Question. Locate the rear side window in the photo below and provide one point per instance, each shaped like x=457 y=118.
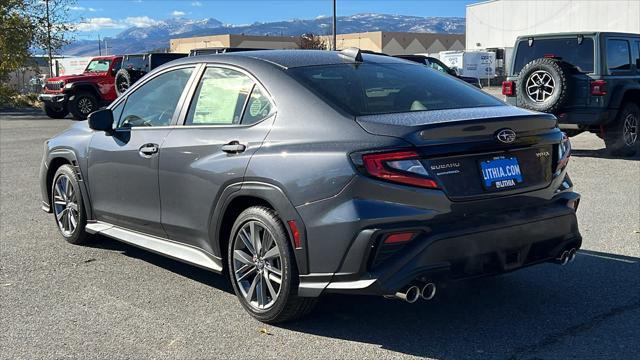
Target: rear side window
x=618 y=55
x=579 y=55
x=369 y=89
x=220 y=98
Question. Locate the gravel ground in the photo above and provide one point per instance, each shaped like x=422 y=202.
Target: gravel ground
x=111 y=300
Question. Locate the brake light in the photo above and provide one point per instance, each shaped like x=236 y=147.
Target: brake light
x=396 y=238
x=598 y=88
x=508 y=88
x=402 y=167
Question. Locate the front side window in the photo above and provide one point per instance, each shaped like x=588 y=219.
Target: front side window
x=154 y=103
x=220 y=98
x=369 y=89
x=618 y=55
x=98 y=66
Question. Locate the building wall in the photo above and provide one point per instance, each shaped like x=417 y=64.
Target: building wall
x=497 y=23
x=399 y=43
x=184 y=45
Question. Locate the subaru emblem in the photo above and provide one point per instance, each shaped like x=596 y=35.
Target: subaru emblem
x=506 y=136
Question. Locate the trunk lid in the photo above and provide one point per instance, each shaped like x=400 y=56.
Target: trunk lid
x=461 y=151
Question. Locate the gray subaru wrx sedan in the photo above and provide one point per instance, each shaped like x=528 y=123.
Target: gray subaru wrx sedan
x=309 y=172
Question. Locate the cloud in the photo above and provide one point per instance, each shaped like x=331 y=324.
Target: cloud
x=99 y=23
x=196 y=3
x=141 y=21
x=81 y=8
x=178 y=13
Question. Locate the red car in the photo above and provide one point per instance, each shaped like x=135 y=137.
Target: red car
x=82 y=94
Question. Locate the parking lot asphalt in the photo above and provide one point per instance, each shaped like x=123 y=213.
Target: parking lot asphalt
x=110 y=300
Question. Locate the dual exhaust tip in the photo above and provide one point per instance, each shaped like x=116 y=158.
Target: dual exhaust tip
x=414 y=292
x=566 y=257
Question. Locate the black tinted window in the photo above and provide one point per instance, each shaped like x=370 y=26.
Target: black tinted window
x=618 y=55
x=154 y=103
x=139 y=63
x=568 y=49
x=368 y=89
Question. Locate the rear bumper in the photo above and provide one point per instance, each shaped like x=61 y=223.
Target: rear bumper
x=443 y=253
x=455 y=240
x=585 y=118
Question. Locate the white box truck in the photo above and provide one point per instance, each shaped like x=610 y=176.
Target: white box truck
x=476 y=64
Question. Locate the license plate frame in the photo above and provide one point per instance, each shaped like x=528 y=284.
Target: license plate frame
x=501 y=173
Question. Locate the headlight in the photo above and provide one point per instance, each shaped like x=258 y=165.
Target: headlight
x=68 y=86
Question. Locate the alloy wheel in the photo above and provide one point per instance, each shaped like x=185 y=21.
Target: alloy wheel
x=257 y=265
x=630 y=129
x=85 y=105
x=540 y=86
x=65 y=205
x=123 y=85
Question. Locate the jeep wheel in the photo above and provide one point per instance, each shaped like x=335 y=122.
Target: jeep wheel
x=123 y=81
x=622 y=136
x=82 y=104
x=542 y=85
x=262 y=268
x=55 y=112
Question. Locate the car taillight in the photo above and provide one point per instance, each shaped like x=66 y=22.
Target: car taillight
x=564 y=152
x=508 y=88
x=402 y=167
x=598 y=88
x=401 y=237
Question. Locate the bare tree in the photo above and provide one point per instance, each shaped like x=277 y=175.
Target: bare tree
x=312 y=41
x=52 y=26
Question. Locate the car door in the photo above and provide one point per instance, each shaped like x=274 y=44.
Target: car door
x=123 y=164
x=228 y=119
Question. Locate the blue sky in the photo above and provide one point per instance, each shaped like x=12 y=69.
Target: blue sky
x=108 y=17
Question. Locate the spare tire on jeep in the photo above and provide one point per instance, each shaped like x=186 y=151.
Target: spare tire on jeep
x=123 y=81
x=543 y=85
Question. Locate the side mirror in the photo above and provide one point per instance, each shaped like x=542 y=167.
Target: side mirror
x=453 y=71
x=101 y=120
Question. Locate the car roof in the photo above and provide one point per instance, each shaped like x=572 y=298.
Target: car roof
x=287 y=59
x=561 y=34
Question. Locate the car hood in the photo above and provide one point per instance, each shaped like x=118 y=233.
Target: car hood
x=75 y=78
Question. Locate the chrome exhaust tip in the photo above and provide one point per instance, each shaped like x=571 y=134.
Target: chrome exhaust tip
x=428 y=291
x=410 y=295
x=572 y=255
x=563 y=259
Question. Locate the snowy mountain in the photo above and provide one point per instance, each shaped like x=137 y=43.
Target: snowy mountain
x=140 y=39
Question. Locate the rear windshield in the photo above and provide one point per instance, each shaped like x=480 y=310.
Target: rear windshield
x=568 y=49
x=370 y=89
x=139 y=63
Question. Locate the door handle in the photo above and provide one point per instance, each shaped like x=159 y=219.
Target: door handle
x=147 y=150
x=233 y=147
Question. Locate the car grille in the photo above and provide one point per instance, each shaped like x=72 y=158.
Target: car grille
x=54 y=85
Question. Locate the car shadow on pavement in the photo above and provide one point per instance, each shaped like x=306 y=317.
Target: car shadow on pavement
x=203 y=276
x=600 y=153
x=547 y=309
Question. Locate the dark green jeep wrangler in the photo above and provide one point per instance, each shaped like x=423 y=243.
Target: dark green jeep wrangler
x=590 y=81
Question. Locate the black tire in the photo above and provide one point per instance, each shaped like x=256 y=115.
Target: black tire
x=78 y=235
x=55 y=112
x=529 y=76
x=622 y=137
x=122 y=81
x=288 y=305
x=82 y=104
